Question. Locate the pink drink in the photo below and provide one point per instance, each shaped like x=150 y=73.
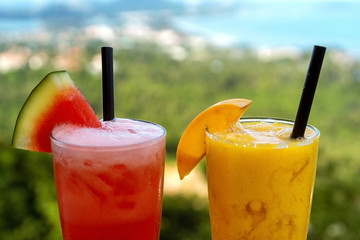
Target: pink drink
x=110 y=181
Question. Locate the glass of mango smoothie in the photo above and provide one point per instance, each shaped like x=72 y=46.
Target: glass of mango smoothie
x=260 y=171
x=260 y=180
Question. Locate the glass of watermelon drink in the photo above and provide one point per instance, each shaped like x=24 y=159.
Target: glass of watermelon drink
x=109 y=180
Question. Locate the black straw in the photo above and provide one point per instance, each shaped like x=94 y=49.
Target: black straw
x=107 y=83
x=308 y=93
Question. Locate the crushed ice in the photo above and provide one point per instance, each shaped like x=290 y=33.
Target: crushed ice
x=260 y=133
x=115 y=132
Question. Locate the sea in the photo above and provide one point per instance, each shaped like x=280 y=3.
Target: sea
x=259 y=23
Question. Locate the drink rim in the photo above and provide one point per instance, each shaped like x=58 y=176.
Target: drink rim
x=304 y=140
x=151 y=141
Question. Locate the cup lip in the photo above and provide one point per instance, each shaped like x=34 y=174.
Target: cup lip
x=305 y=141
x=151 y=141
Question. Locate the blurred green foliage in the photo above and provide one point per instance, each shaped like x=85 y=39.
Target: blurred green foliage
x=150 y=85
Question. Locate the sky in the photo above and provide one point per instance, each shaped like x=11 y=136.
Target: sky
x=257 y=23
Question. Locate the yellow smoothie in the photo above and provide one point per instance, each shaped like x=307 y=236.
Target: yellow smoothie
x=260 y=181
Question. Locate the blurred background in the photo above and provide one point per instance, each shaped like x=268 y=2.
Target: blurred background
x=172 y=59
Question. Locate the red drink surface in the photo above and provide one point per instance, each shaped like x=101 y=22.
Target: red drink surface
x=110 y=188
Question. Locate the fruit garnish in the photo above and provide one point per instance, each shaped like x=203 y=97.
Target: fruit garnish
x=218 y=117
x=54 y=101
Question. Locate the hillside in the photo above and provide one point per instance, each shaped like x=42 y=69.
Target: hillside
x=169 y=83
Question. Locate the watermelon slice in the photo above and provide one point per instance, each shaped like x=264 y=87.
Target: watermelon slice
x=55 y=100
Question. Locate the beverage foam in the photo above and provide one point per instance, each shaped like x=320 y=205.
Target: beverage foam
x=267 y=132
x=118 y=132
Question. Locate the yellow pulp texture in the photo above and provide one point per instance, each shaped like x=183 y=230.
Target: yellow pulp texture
x=260 y=191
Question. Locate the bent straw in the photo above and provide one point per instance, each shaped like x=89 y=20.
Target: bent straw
x=107 y=83
x=308 y=93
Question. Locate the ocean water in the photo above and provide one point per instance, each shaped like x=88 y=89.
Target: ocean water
x=257 y=23
x=14 y=25
x=330 y=23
